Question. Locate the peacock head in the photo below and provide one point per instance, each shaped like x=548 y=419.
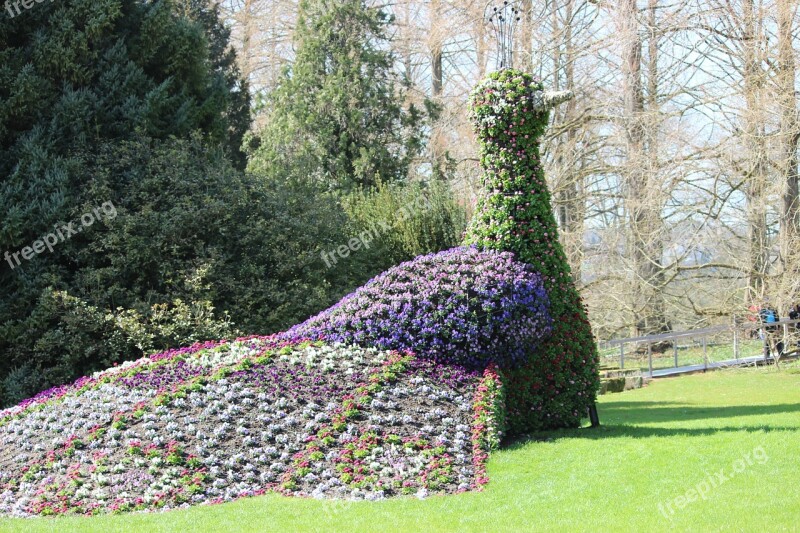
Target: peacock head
x=512 y=104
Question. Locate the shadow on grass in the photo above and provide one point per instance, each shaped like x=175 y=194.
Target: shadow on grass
x=639 y=404
x=621 y=419
x=617 y=431
x=649 y=412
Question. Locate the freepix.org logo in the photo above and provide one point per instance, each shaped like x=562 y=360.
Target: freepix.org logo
x=61 y=234
x=26 y=4
x=713 y=481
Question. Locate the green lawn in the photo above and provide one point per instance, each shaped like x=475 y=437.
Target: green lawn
x=656 y=444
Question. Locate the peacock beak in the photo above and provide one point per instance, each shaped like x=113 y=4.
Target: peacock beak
x=554 y=98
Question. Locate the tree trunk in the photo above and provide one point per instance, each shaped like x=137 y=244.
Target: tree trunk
x=526 y=37
x=571 y=201
x=757 y=171
x=437 y=145
x=655 y=247
x=642 y=196
x=480 y=42
x=789 y=136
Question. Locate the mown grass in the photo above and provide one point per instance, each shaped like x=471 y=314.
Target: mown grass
x=655 y=444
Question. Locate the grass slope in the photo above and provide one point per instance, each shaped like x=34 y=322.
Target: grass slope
x=656 y=444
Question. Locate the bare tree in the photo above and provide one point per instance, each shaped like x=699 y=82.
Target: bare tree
x=643 y=200
x=674 y=170
x=789 y=132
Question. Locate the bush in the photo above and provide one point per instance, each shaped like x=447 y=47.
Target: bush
x=273 y=274
x=558 y=381
x=459 y=306
x=185 y=212
x=71 y=338
x=406 y=220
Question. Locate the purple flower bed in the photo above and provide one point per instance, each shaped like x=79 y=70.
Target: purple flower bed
x=461 y=306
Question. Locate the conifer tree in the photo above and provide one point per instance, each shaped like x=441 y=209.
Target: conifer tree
x=225 y=75
x=79 y=74
x=337 y=115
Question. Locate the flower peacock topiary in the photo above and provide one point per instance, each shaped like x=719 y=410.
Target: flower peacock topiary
x=507 y=297
x=556 y=384
x=498 y=333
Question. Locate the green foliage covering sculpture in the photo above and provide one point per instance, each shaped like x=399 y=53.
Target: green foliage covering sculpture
x=556 y=385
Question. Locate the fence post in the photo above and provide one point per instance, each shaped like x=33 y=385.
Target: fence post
x=705 y=355
x=622 y=356
x=735 y=342
x=785 y=338
x=650 y=358
x=675 y=351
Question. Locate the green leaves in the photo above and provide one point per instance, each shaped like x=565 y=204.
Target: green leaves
x=78 y=81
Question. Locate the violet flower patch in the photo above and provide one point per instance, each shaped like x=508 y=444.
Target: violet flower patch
x=461 y=306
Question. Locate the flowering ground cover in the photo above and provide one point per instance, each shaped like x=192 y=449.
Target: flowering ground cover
x=217 y=421
x=462 y=306
x=617 y=477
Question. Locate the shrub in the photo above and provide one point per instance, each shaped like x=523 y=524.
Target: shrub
x=458 y=306
x=558 y=381
x=74 y=338
x=402 y=221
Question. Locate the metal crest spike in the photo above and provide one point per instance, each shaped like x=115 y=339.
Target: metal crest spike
x=504 y=19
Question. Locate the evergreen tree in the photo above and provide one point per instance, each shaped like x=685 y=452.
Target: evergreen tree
x=76 y=75
x=225 y=75
x=336 y=115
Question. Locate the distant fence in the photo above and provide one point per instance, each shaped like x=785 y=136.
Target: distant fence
x=703 y=346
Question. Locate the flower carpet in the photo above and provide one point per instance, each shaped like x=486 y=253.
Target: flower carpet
x=223 y=420
x=462 y=306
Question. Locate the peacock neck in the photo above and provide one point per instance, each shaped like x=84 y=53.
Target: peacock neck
x=514 y=213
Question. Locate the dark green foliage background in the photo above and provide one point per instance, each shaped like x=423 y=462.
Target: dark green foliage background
x=77 y=80
x=142 y=105
x=560 y=380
